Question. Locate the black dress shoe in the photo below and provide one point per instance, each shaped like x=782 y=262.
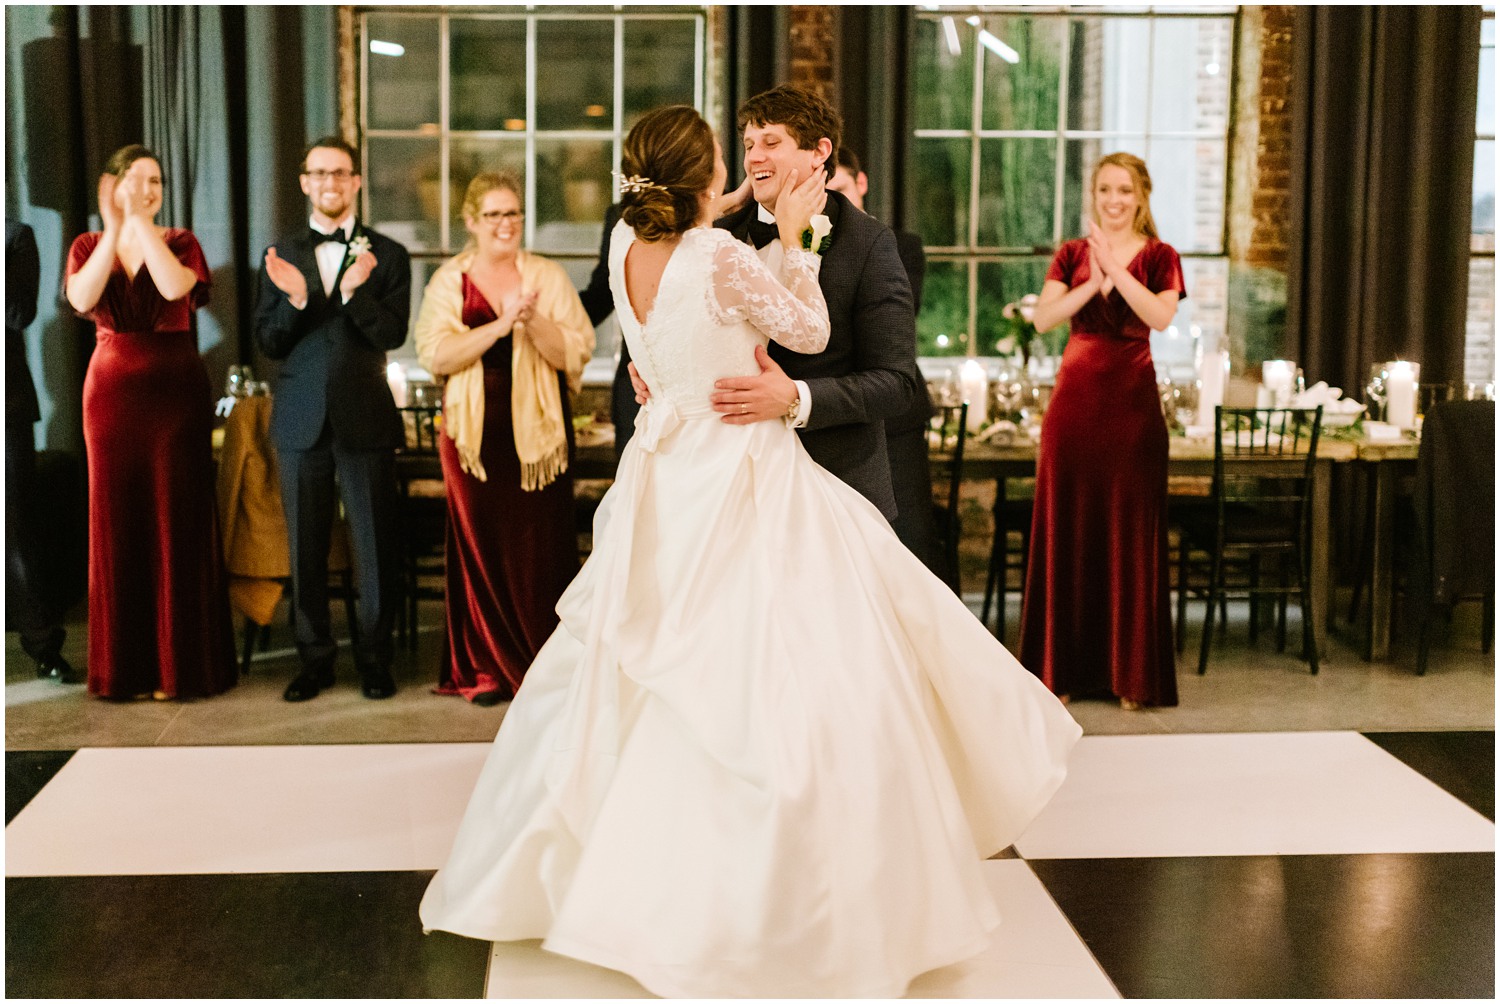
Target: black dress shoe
x=55 y=667
x=487 y=698
x=376 y=683
x=308 y=683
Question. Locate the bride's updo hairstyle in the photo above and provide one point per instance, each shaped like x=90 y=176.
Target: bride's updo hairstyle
x=667 y=162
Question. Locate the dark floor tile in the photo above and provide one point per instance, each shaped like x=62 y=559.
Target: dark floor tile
x=1369 y=925
x=351 y=934
x=26 y=773
x=1461 y=763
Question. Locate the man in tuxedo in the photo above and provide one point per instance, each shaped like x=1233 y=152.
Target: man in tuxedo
x=905 y=434
x=840 y=398
x=599 y=301
x=334 y=298
x=39 y=620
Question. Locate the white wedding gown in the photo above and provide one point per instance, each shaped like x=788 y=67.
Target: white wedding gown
x=766 y=750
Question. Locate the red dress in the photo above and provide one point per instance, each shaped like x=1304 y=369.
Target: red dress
x=158 y=599
x=510 y=553
x=1097 y=618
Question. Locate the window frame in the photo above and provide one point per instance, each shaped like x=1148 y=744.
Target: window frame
x=1481 y=253
x=975 y=255
x=532 y=15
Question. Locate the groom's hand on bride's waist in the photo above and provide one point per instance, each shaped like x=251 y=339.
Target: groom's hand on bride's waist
x=744 y=400
x=642 y=392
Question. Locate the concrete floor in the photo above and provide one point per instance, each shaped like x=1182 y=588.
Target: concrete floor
x=1245 y=690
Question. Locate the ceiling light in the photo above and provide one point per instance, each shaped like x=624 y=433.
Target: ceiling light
x=386 y=48
x=950 y=33
x=998 y=47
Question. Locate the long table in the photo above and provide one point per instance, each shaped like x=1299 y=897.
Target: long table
x=595 y=459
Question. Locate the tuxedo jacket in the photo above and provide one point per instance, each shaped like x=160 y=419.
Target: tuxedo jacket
x=23 y=271
x=333 y=353
x=867 y=373
x=918 y=417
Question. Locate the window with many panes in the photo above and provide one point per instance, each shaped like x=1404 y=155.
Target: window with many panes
x=546 y=92
x=1011 y=107
x=1479 y=362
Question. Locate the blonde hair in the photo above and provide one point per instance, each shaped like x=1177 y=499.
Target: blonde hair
x=1140 y=178
x=485 y=183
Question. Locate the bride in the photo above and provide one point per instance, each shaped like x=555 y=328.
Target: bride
x=766 y=750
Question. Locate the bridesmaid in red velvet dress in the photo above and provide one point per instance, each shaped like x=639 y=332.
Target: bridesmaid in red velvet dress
x=1098 y=616
x=509 y=332
x=158 y=601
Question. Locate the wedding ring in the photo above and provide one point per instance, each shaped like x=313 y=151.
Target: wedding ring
x=744 y=408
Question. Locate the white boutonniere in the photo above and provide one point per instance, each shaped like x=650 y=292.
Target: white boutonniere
x=817 y=237
x=358 y=246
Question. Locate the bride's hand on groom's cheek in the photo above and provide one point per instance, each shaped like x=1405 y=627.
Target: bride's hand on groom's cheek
x=798 y=203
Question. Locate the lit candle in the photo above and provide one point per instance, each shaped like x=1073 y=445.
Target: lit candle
x=1277 y=376
x=1401 y=394
x=976 y=391
x=395 y=375
x=1213 y=375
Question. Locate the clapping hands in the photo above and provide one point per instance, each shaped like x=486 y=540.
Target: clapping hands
x=356 y=274
x=520 y=307
x=1102 y=262
x=286 y=277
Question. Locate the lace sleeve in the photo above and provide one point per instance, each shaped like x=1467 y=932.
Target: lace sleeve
x=794 y=315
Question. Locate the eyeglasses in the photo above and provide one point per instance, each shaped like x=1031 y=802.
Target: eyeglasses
x=509 y=216
x=340 y=175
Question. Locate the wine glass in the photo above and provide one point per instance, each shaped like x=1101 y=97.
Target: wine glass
x=236 y=384
x=1007 y=387
x=1185 y=402
x=950 y=389
x=1375 y=391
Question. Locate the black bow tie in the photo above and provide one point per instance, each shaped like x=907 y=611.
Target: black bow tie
x=763 y=233
x=319 y=237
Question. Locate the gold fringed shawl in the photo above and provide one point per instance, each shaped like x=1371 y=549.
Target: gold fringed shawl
x=535 y=401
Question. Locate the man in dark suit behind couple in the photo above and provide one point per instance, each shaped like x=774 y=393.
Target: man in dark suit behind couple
x=333 y=300
x=839 y=398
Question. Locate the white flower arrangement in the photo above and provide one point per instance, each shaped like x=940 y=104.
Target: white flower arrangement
x=358 y=246
x=817 y=237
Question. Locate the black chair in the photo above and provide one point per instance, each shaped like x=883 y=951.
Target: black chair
x=1262 y=508
x=423 y=509
x=952 y=424
x=1012 y=514
x=1454 y=510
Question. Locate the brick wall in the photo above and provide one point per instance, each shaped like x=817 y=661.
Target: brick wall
x=1272 y=174
x=812 y=40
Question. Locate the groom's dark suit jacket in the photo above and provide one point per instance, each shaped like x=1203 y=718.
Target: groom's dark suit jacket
x=868 y=373
x=334 y=352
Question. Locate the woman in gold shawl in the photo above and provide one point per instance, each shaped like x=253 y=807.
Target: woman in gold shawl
x=507 y=331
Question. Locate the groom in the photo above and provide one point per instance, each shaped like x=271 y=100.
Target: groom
x=837 y=399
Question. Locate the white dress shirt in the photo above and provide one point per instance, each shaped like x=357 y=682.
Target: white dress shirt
x=331 y=255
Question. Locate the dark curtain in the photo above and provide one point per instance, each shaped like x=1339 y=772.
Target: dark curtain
x=227 y=96
x=1384 y=106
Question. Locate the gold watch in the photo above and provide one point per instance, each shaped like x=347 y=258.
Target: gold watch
x=790 y=418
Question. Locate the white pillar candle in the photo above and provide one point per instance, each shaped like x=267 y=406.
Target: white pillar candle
x=1278 y=376
x=1213 y=377
x=395 y=375
x=976 y=387
x=1401 y=394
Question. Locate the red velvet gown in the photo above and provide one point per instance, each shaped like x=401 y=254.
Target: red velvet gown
x=1097 y=618
x=158 y=596
x=511 y=553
